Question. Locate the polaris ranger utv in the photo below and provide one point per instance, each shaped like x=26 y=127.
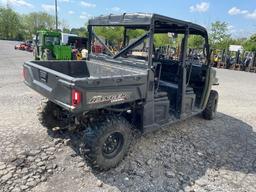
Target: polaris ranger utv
x=112 y=93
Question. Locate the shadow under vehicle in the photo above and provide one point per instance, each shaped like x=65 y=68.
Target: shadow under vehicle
x=192 y=150
x=112 y=93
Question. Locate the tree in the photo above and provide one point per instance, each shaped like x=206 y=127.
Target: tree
x=239 y=41
x=135 y=33
x=20 y=27
x=38 y=20
x=219 y=35
x=250 y=43
x=195 y=41
x=162 y=40
x=66 y=30
x=112 y=35
x=81 y=32
x=64 y=26
x=10 y=24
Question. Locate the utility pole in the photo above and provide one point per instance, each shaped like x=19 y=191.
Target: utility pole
x=7 y=4
x=56 y=14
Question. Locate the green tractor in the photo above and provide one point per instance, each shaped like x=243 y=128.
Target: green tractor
x=48 y=46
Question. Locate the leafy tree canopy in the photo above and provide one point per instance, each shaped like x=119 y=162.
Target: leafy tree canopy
x=219 y=35
x=250 y=43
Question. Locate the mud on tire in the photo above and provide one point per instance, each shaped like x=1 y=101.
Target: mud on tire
x=209 y=112
x=107 y=142
x=46 y=114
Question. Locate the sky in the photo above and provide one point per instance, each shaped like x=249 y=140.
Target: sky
x=239 y=14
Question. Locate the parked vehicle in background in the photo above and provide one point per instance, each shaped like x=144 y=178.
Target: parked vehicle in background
x=65 y=37
x=20 y=46
x=235 y=52
x=25 y=46
x=29 y=46
x=114 y=92
x=79 y=47
x=49 y=47
x=52 y=45
x=249 y=61
x=253 y=63
x=218 y=58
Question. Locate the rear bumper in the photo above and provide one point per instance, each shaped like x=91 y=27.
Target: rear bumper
x=56 y=90
x=36 y=87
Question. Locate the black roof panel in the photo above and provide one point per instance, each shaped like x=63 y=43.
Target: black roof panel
x=144 y=20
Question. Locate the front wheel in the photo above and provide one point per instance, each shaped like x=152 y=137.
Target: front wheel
x=107 y=142
x=210 y=111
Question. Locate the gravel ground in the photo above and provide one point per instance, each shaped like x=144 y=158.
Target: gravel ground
x=194 y=155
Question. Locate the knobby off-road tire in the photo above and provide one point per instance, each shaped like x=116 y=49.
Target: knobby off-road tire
x=46 y=114
x=107 y=142
x=209 y=112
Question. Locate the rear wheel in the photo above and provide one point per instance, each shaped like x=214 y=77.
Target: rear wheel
x=210 y=111
x=47 y=114
x=52 y=116
x=107 y=142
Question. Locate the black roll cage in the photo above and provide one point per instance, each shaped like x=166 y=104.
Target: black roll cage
x=125 y=49
x=154 y=23
x=151 y=23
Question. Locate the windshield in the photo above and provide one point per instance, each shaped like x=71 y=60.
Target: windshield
x=49 y=40
x=120 y=42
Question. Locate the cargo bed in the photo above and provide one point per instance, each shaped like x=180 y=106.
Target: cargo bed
x=100 y=83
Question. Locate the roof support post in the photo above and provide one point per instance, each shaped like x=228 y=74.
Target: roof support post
x=208 y=51
x=182 y=80
x=89 y=46
x=151 y=43
x=124 y=38
x=150 y=82
x=149 y=107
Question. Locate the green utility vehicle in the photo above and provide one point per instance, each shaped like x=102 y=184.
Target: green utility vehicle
x=48 y=46
x=112 y=93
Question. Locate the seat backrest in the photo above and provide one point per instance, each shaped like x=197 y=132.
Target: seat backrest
x=169 y=70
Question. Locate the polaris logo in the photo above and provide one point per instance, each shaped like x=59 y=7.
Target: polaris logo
x=109 y=98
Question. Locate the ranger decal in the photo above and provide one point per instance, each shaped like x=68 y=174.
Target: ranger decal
x=109 y=98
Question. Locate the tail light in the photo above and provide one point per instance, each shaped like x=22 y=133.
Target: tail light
x=76 y=98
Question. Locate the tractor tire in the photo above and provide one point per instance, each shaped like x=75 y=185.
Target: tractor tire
x=47 y=55
x=106 y=143
x=209 y=112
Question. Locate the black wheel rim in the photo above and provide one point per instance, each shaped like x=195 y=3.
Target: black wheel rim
x=112 y=145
